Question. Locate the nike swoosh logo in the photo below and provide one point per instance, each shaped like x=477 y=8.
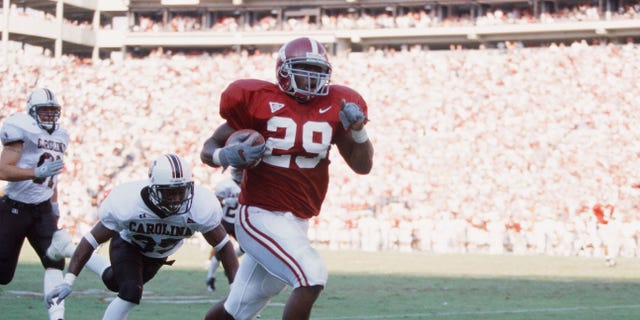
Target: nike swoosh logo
x=324 y=110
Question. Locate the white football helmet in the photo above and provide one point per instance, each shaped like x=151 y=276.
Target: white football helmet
x=171 y=185
x=43 y=106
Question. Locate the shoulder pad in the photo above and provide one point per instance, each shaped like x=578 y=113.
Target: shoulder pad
x=15 y=127
x=24 y=121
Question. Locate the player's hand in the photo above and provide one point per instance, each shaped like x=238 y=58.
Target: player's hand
x=49 y=168
x=351 y=115
x=242 y=154
x=60 y=292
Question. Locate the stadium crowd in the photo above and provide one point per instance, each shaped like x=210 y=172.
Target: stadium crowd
x=352 y=19
x=522 y=150
x=418 y=18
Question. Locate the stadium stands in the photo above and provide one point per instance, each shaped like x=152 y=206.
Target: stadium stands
x=101 y=28
x=515 y=149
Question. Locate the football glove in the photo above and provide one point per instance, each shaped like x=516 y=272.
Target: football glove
x=49 y=168
x=60 y=292
x=242 y=154
x=350 y=113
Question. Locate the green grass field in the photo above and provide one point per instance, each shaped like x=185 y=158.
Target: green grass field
x=374 y=286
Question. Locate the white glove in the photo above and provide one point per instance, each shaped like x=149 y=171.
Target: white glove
x=350 y=113
x=241 y=154
x=61 y=291
x=49 y=168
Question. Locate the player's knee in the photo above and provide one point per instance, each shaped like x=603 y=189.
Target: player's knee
x=130 y=291
x=52 y=264
x=109 y=280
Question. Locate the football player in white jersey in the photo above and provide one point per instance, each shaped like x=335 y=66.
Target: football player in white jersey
x=32 y=156
x=227 y=192
x=147 y=221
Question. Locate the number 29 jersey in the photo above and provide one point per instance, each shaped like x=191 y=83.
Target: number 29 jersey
x=293 y=175
x=125 y=211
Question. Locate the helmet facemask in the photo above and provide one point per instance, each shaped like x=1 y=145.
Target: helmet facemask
x=306 y=80
x=171 y=186
x=172 y=199
x=46 y=116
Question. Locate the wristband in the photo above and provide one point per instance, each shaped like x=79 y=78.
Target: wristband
x=92 y=241
x=70 y=278
x=359 y=136
x=215 y=158
x=222 y=243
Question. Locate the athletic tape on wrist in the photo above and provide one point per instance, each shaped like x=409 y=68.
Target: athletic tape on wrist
x=70 y=278
x=92 y=241
x=216 y=157
x=222 y=243
x=359 y=136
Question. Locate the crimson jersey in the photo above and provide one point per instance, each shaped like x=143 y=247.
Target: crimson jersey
x=294 y=173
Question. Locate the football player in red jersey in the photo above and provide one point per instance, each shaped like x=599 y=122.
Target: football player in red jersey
x=300 y=116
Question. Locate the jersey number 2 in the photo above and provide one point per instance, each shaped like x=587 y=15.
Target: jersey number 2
x=316 y=139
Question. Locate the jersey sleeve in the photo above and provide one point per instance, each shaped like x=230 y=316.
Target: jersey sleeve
x=351 y=95
x=233 y=106
x=10 y=133
x=108 y=217
x=237 y=102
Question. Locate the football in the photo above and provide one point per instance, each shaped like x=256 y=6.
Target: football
x=241 y=136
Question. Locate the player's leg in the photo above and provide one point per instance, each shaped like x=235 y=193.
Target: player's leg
x=125 y=277
x=13 y=229
x=62 y=247
x=300 y=302
x=39 y=235
x=251 y=290
x=278 y=242
x=214 y=264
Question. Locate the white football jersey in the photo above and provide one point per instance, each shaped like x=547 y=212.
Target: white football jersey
x=38 y=146
x=125 y=211
x=229 y=191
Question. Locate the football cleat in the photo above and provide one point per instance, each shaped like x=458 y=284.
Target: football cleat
x=60 y=243
x=211 y=284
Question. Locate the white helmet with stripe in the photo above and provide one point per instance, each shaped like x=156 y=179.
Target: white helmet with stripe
x=171 y=184
x=43 y=106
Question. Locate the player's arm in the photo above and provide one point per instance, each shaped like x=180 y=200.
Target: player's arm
x=9 y=170
x=215 y=142
x=89 y=243
x=355 y=146
x=216 y=153
x=219 y=240
x=98 y=234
